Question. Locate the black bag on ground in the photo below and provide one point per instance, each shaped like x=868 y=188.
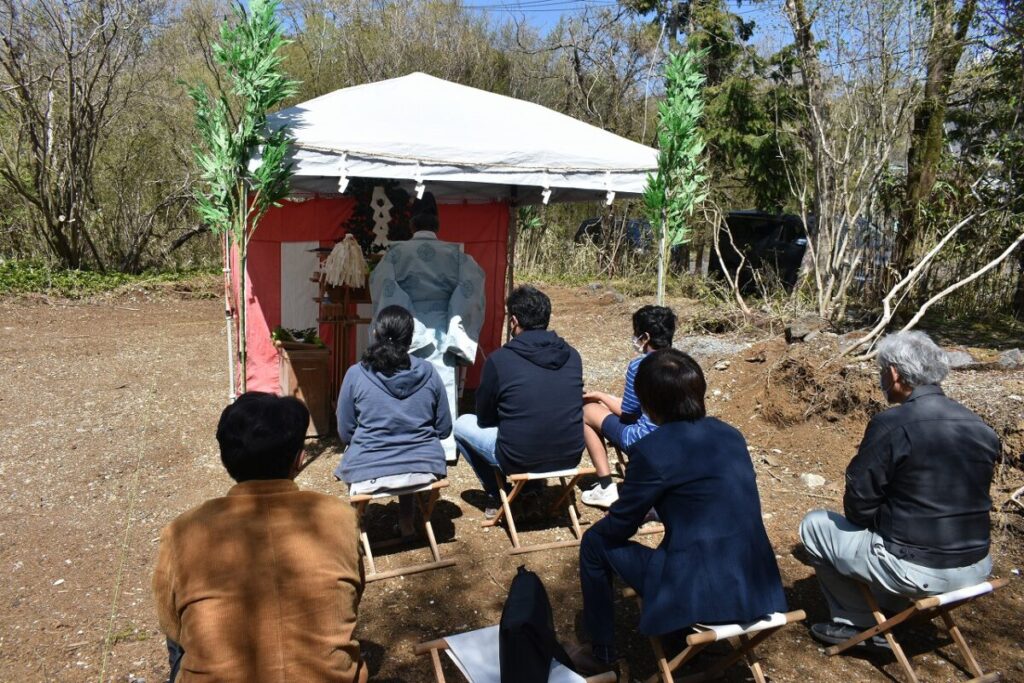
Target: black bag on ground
x=526 y=636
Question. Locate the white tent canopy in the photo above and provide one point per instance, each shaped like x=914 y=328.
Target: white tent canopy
x=460 y=142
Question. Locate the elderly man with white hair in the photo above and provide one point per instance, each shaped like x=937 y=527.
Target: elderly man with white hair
x=916 y=507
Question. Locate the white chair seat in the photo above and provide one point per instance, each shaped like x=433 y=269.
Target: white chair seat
x=391 y=493
x=964 y=593
x=475 y=653
x=548 y=475
x=725 y=631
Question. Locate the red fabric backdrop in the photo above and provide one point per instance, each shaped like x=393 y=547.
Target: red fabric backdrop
x=482 y=228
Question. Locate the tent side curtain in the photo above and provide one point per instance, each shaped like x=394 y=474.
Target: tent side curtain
x=481 y=228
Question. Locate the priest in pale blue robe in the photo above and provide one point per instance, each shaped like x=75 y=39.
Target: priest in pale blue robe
x=443 y=288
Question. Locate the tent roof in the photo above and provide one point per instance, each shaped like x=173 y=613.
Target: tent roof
x=463 y=143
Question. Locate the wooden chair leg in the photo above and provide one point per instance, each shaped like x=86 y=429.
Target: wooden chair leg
x=620 y=462
x=567 y=490
x=569 y=495
x=674 y=664
x=501 y=510
x=426 y=500
x=747 y=649
x=566 y=498
x=574 y=518
x=506 y=505
x=367 y=552
x=876 y=612
x=743 y=649
x=427 y=509
x=664 y=672
x=873 y=631
x=438 y=672
x=364 y=538
x=665 y=666
x=961 y=643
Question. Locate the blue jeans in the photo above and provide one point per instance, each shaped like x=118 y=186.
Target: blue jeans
x=174 y=654
x=844 y=554
x=478 y=445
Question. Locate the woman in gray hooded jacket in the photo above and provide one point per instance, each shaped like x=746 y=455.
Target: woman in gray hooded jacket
x=392 y=414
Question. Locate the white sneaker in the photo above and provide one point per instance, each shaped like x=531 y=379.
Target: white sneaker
x=601 y=497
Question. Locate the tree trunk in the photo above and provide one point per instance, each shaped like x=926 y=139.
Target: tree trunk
x=813 y=91
x=928 y=134
x=1018 y=296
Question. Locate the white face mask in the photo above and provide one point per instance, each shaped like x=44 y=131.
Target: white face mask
x=638 y=344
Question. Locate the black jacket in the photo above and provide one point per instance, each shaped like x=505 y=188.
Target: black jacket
x=532 y=391
x=921 y=480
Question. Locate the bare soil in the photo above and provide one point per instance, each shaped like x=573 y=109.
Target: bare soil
x=108 y=409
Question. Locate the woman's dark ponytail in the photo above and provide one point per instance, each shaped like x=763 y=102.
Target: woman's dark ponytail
x=392 y=337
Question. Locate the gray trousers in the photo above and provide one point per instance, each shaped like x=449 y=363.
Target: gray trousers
x=844 y=554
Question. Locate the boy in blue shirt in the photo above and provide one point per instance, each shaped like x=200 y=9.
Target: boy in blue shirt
x=620 y=421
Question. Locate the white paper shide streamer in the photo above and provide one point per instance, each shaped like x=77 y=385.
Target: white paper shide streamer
x=345 y=266
x=381 y=216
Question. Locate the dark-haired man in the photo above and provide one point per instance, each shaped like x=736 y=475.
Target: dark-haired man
x=715 y=563
x=443 y=288
x=529 y=406
x=264 y=583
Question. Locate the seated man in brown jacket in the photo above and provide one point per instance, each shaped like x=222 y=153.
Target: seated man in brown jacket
x=264 y=583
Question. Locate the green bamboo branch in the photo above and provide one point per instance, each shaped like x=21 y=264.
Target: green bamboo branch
x=680 y=183
x=231 y=198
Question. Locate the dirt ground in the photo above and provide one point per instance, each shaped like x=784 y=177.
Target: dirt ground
x=108 y=410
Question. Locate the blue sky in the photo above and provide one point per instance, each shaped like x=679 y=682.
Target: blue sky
x=540 y=13
x=544 y=14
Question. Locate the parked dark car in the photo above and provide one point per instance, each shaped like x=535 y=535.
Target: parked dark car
x=636 y=231
x=768 y=241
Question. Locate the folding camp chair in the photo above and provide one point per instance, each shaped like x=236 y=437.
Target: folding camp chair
x=930 y=607
x=426 y=497
x=566 y=499
x=743 y=638
x=477 y=657
x=1016 y=497
x=621 y=461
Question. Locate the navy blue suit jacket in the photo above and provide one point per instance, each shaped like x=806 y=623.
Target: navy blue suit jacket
x=715 y=563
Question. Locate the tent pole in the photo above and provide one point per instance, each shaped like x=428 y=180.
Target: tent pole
x=510 y=258
x=662 y=248
x=226 y=252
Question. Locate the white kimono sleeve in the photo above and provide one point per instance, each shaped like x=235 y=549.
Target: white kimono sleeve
x=385 y=291
x=466 y=311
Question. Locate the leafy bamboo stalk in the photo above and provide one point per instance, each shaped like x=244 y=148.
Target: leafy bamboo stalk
x=232 y=125
x=680 y=183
